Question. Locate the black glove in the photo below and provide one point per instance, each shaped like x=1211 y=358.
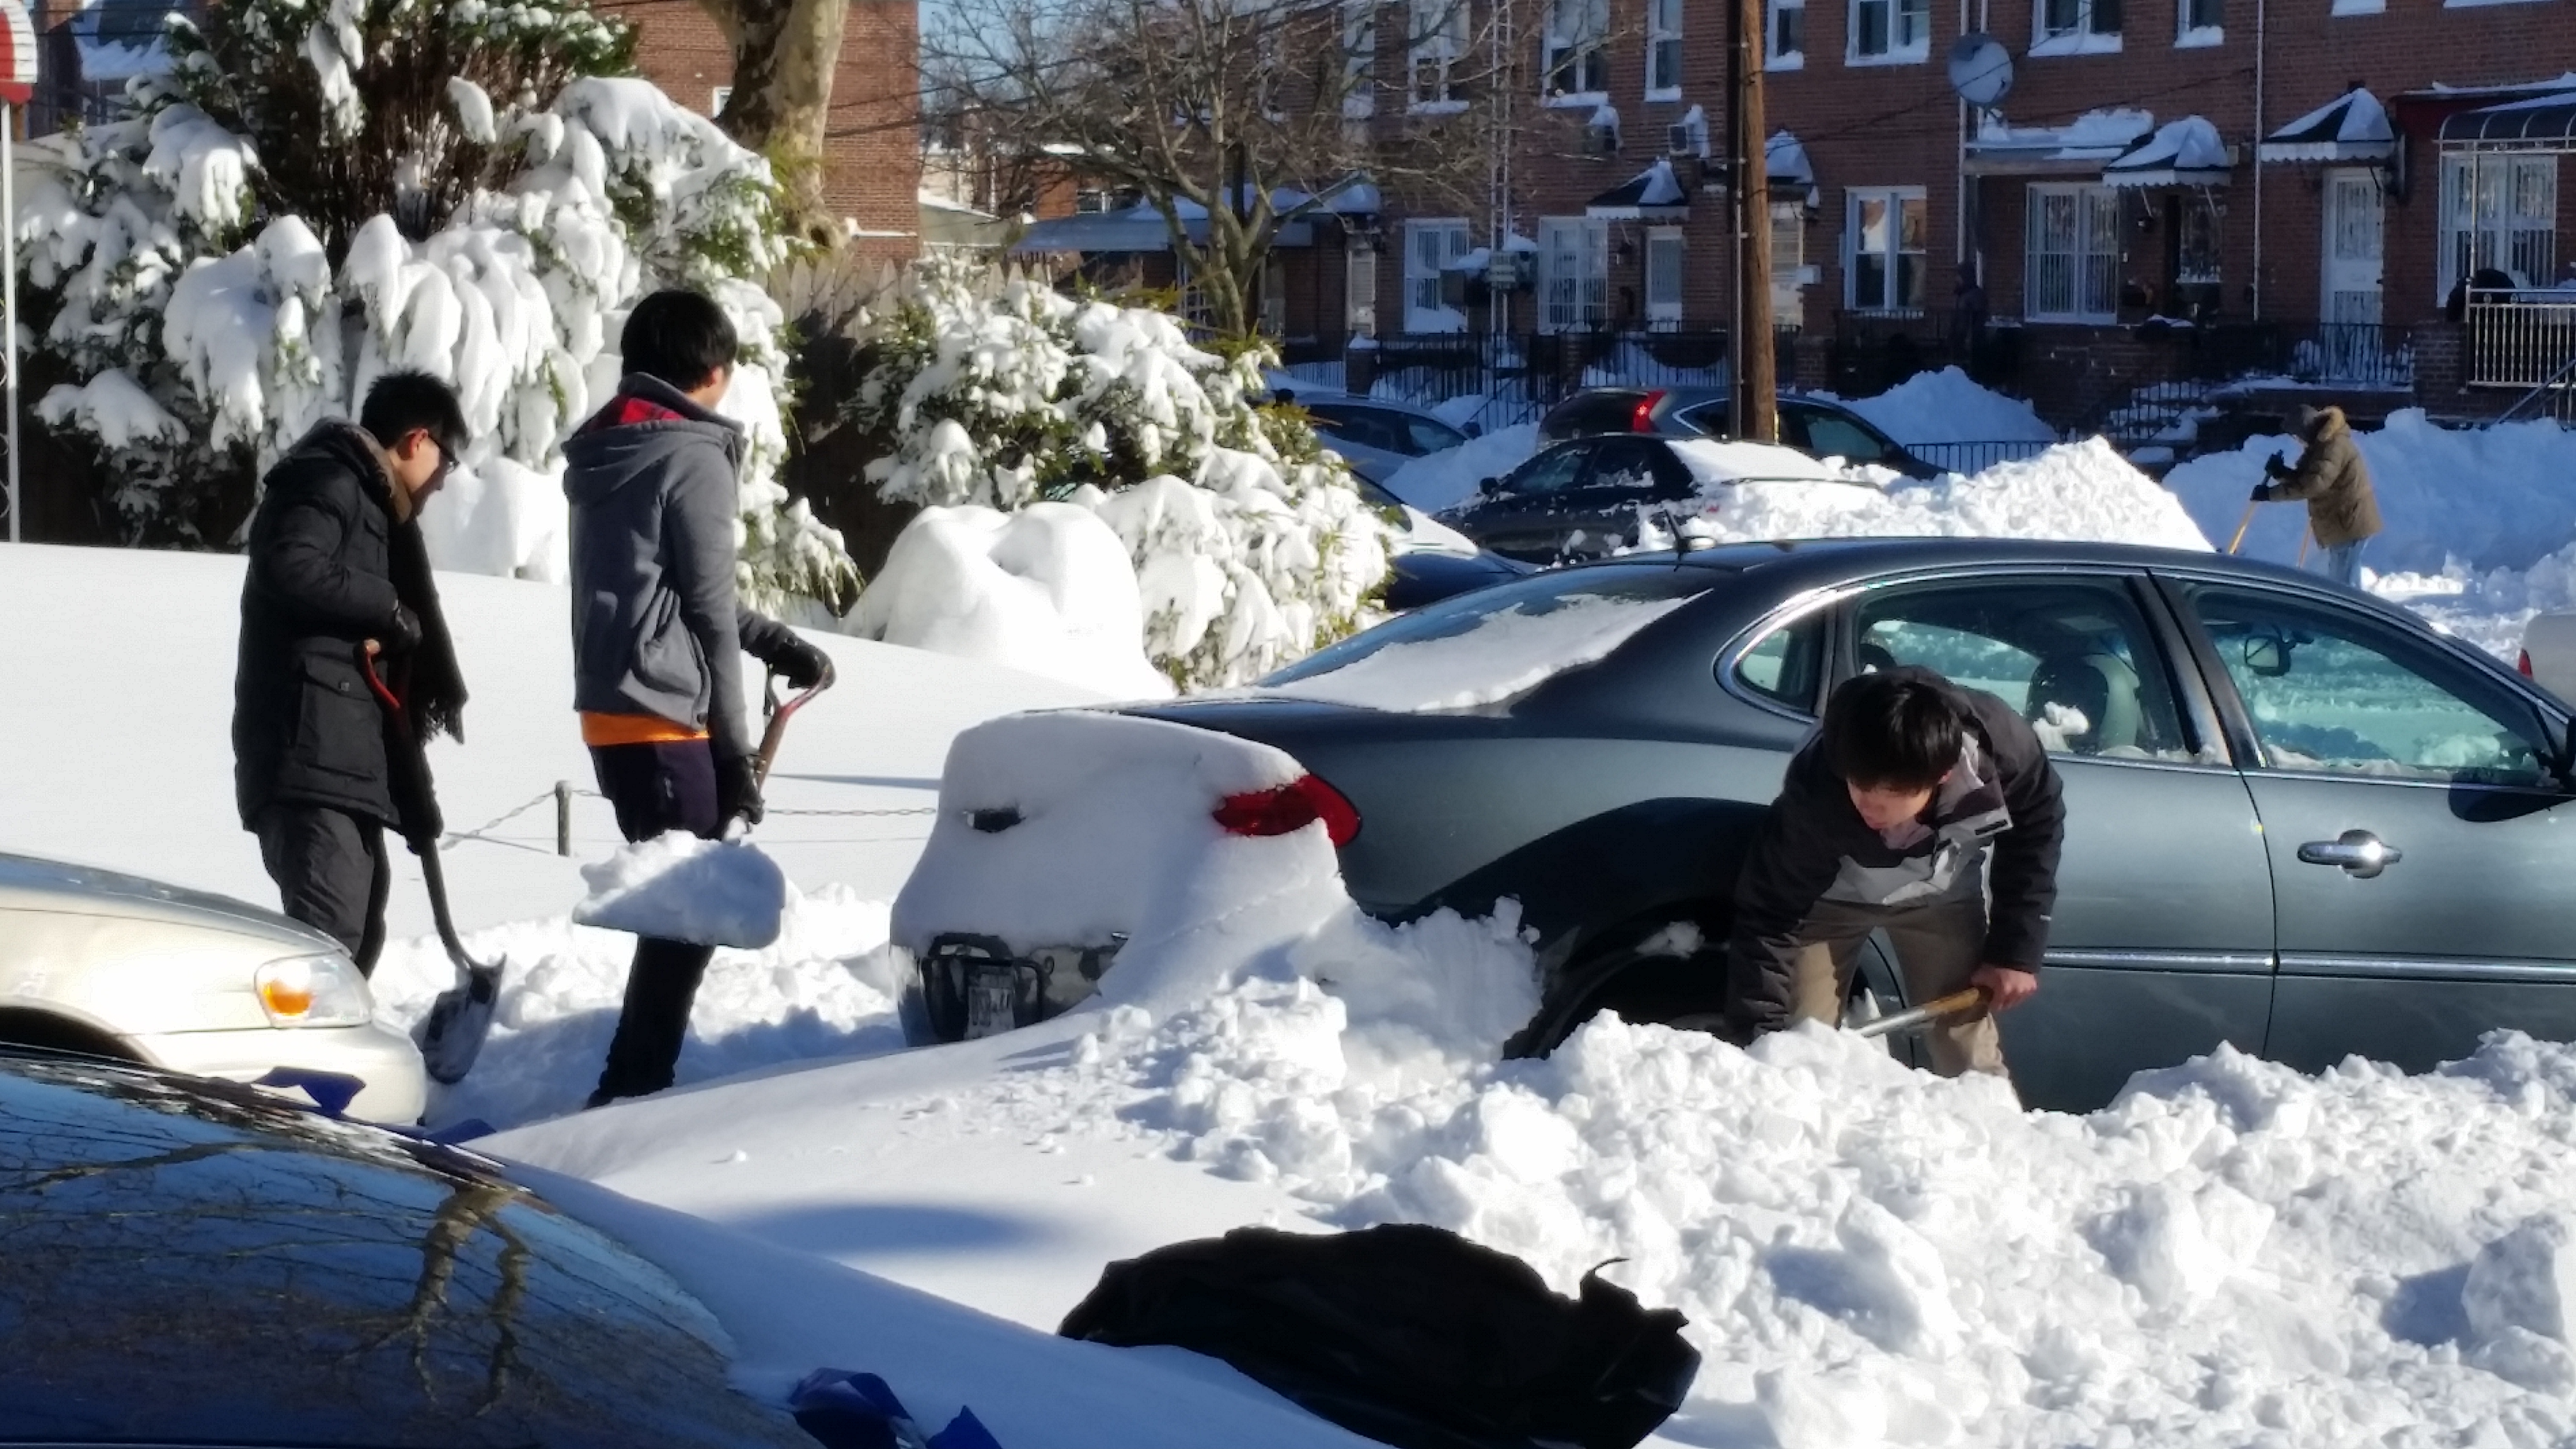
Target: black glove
x=2276 y=467
x=802 y=665
x=417 y=816
x=400 y=633
x=2262 y=492
x=738 y=791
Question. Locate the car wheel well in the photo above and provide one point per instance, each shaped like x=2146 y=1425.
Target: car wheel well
x=1617 y=974
x=47 y=1031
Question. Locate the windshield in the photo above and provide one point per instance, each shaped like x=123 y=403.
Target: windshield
x=1493 y=644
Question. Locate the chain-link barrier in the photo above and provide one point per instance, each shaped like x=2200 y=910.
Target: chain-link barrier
x=561 y=796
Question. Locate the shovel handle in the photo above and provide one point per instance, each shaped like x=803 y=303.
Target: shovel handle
x=2243 y=524
x=1931 y=1011
x=775 y=733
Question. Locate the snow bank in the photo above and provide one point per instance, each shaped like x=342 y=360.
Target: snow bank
x=1945 y=407
x=2487 y=498
x=681 y=888
x=1444 y=480
x=1048 y=590
x=2488 y=608
x=2073 y=491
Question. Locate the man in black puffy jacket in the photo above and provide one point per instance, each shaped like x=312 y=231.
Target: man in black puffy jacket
x=1885 y=823
x=337 y=563
x=658 y=633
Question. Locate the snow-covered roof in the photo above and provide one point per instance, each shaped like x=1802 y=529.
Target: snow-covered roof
x=1784 y=161
x=2351 y=127
x=1654 y=193
x=2566 y=82
x=2093 y=139
x=936 y=202
x=2181 y=153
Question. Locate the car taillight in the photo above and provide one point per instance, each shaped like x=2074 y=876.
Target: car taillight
x=1643 y=419
x=1288 y=809
x=2524 y=664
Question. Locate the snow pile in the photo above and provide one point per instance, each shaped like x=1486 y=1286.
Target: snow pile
x=1048 y=590
x=1437 y=482
x=2487 y=608
x=1500 y=653
x=996 y=390
x=2481 y=499
x=209 y=335
x=825 y=987
x=2074 y=491
x=1945 y=407
x=681 y=888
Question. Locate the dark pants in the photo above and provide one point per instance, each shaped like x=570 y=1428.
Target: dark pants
x=654 y=789
x=331 y=874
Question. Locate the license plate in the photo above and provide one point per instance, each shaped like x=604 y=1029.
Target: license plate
x=992 y=1003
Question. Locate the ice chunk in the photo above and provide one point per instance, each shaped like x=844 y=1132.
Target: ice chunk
x=681 y=888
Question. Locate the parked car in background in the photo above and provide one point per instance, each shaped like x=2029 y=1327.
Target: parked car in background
x=1431 y=561
x=118 y=966
x=1374 y=437
x=2299 y=820
x=1814 y=426
x=1595 y=496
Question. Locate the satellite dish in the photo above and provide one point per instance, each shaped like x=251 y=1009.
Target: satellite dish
x=1981 y=70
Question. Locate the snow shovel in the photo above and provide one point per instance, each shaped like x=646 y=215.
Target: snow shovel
x=451 y=1035
x=1925 y=1015
x=775 y=733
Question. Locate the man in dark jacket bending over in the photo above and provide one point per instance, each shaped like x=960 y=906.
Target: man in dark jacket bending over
x=1885 y=822
x=658 y=636
x=336 y=562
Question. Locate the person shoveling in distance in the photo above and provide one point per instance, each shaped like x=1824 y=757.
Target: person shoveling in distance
x=2331 y=478
x=658 y=634
x=1884 y=823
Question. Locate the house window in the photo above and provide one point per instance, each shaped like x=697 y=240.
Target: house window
x=1664 y=278
x=1274 y=295
x=1573 y=273
x=2193 y=225
x=2076 y=27
x=1784 y=39
x=1359 y=288
x=1577 y=68
x=2500 y=212
x=2072 y=267
x=1359 y=58
x=1883 y=258
x=2200 y=22
x=1890 y=30
x=1430 y=246
x=1439 y=42
x=1663 y=50
x=716 y=100
x=1788 y=266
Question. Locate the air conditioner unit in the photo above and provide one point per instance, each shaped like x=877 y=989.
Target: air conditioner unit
x=1681 y=140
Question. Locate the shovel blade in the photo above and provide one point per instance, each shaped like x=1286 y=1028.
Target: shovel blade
x=451 y=1036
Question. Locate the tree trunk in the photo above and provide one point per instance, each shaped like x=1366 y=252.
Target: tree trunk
x=785 y=53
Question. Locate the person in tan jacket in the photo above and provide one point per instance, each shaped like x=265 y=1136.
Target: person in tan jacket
x=2331 y=478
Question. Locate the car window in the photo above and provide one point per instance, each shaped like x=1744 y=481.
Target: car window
x=1629 y=465
x=1549 y=473
x=1426 y=435
x=2335 y=695
x=1709 y=418
x=1591 y=413
x=1785 y=665
x=2074 y=656
x=1360 y=426
x=1830 y=435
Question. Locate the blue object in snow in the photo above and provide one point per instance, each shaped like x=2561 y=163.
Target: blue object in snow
x=845 y=1410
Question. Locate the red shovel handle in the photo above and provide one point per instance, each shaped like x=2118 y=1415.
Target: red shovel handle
x=775 y=733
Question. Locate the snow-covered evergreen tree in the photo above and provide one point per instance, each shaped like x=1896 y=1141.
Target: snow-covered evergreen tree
x=1251 y=545
x=320 y=192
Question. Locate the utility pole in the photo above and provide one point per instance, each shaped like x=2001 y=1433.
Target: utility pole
x=1752 y=379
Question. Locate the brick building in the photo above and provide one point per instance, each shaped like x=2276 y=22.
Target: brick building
x=872 y=168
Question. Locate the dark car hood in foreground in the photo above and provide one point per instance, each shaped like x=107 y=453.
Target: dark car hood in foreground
x=187 y=1262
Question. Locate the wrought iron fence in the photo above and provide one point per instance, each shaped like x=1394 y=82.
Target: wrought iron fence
x=2519 y=339
x=1976 y=456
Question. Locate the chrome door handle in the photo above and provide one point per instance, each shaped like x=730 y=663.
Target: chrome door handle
x=2357 y=851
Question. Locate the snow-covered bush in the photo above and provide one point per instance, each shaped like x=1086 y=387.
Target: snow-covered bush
x=315 y=195
x=1251 y=546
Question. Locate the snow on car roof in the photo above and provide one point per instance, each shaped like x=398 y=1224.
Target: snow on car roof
x=1714 y=462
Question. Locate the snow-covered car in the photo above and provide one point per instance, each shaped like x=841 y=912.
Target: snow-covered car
x=1373 y=436
x=2548 y=655
x=2300 y=821
x=1595 y=496
x=118 y=966
x=1819 y=427
x=1428 y=560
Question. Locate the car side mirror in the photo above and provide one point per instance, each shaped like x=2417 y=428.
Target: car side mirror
x=1475 y=430
x=2267 y=656
x=1489 y=486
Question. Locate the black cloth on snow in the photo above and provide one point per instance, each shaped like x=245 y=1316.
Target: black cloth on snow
x=329 y=560
x=1812 y=831
x=331 y=874
x=1406 y=1334
x=656 y=788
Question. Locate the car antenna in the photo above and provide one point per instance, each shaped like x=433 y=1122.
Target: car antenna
x=1681 y=541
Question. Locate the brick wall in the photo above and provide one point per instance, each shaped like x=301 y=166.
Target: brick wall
x=872 y=166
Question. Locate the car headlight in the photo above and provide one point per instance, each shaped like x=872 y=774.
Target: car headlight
x=312 y=991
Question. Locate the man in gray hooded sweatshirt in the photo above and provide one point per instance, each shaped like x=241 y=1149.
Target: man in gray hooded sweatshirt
x=658 y=634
